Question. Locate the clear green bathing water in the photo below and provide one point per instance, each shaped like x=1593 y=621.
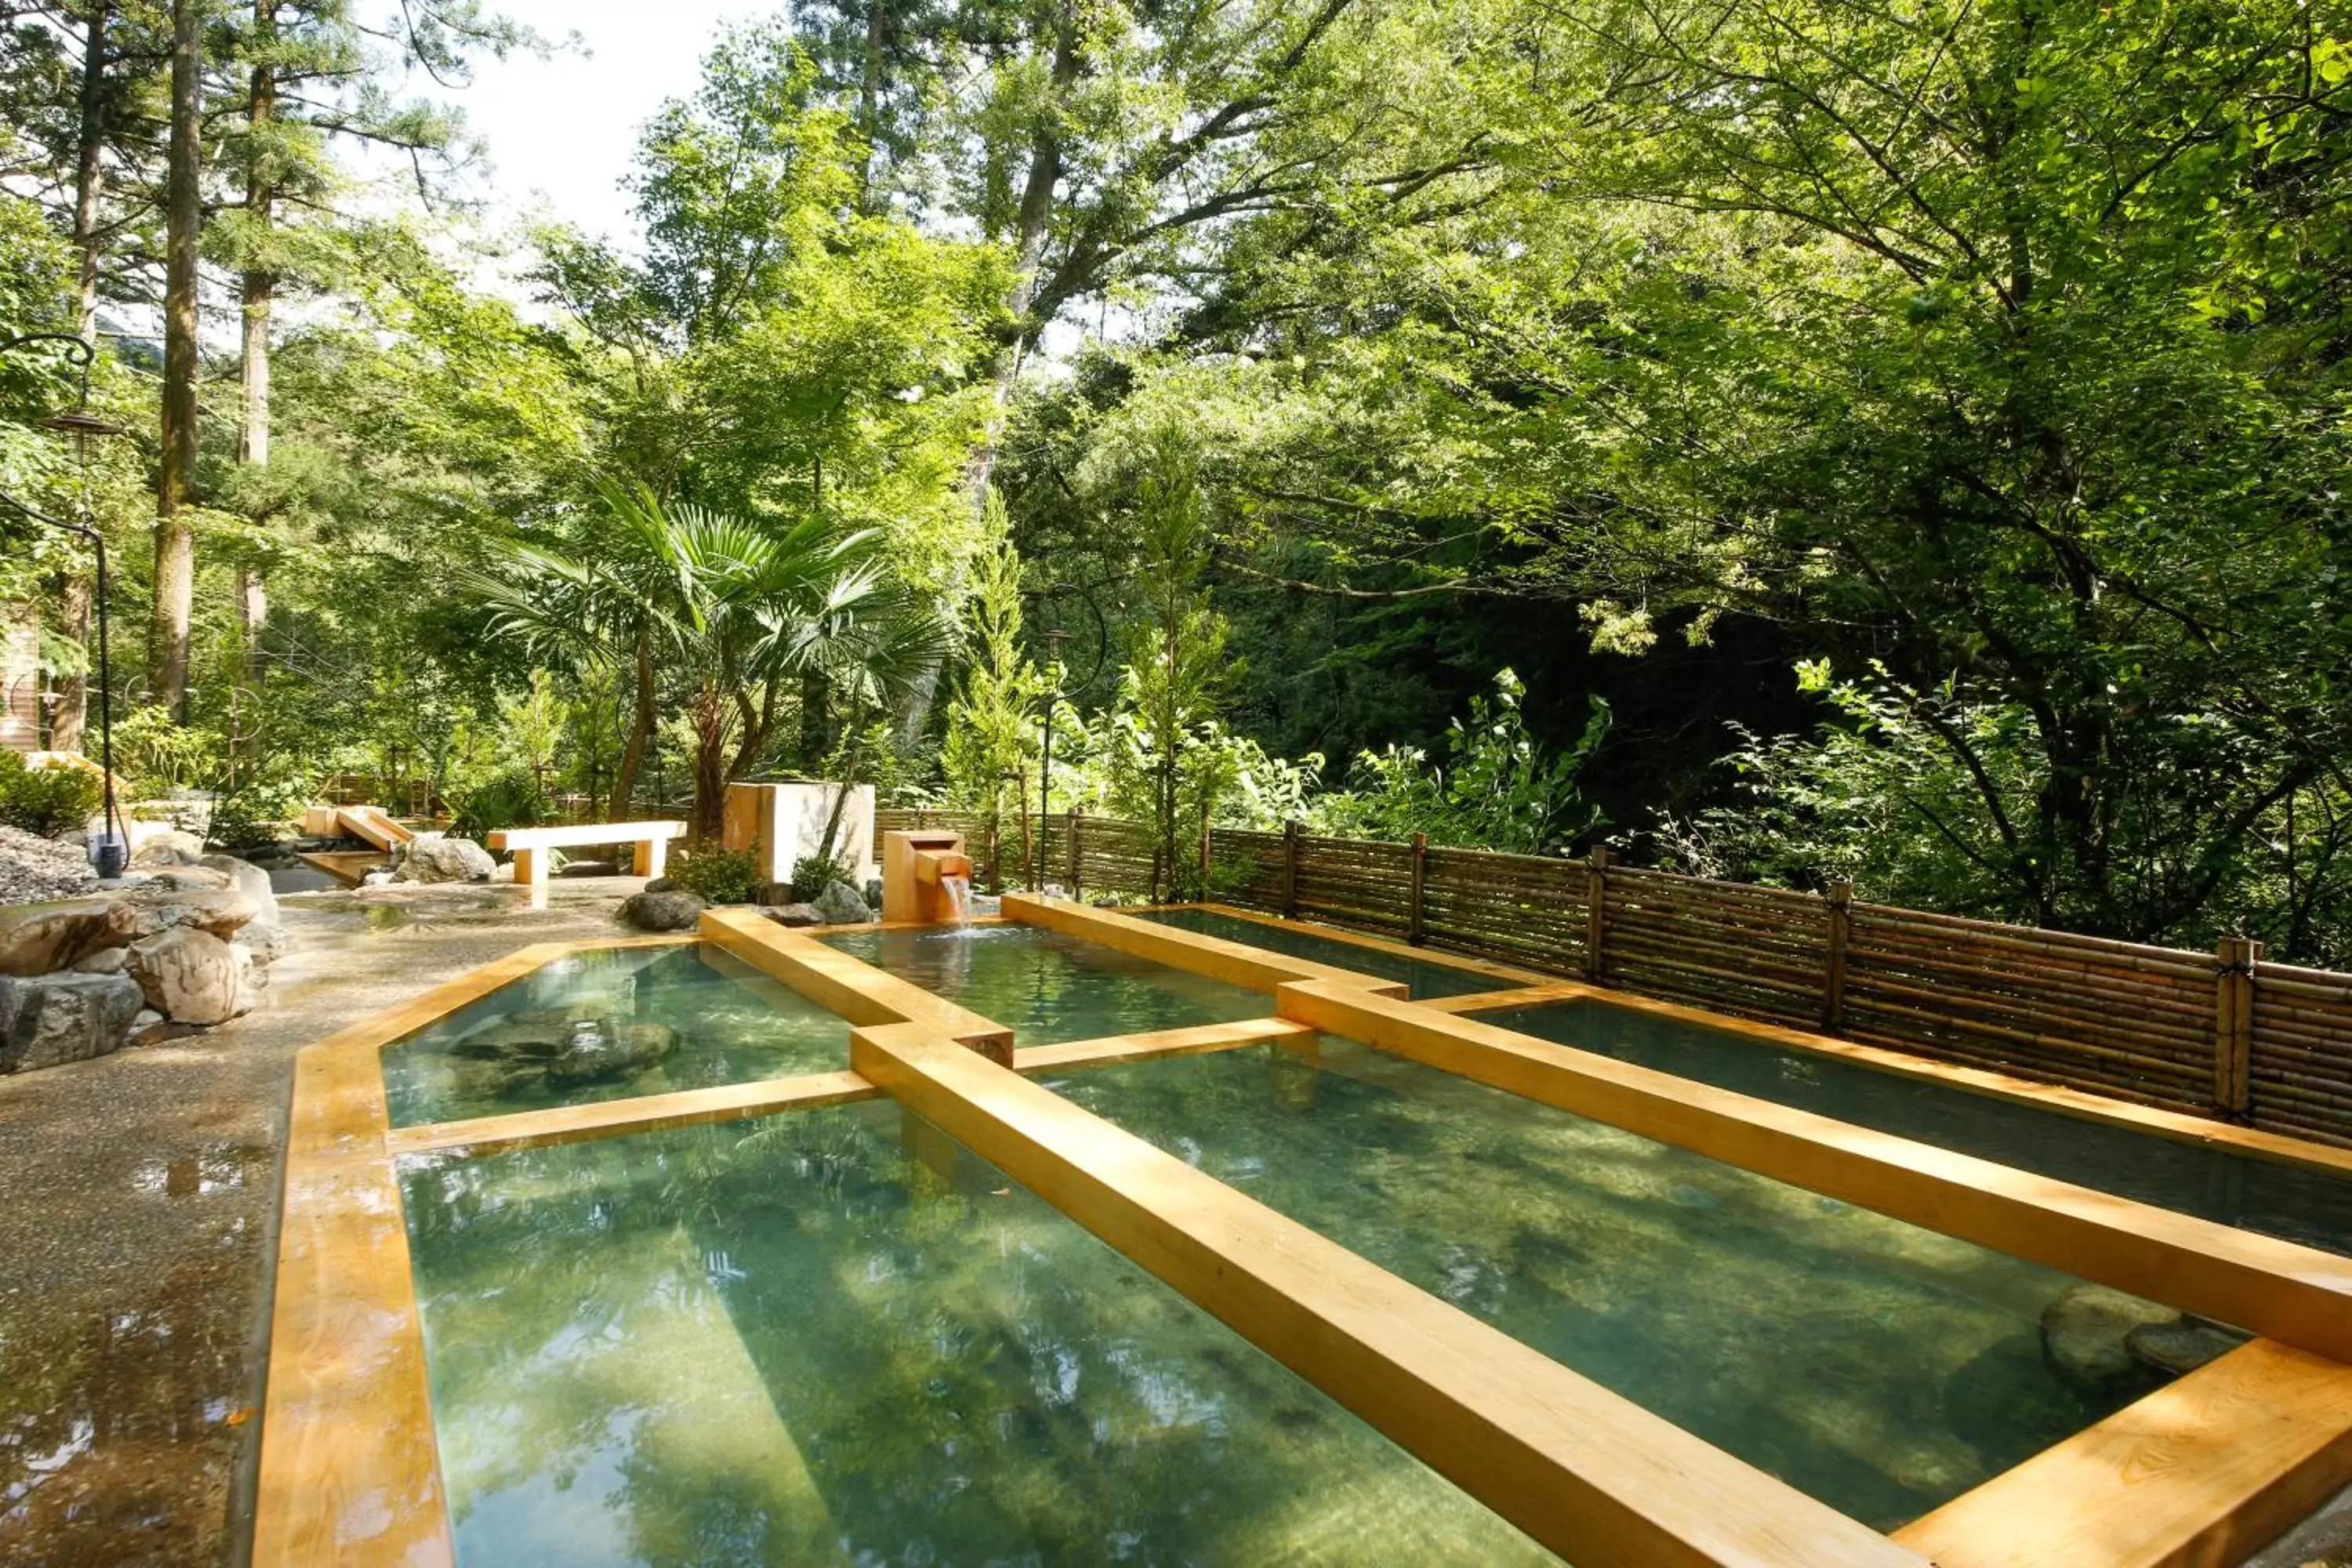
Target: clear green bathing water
x=607 y=1025
x=1427 y=976
x=2287 y=1201
x=1047 y=987
x=1880 y=1367
x=784 y=1343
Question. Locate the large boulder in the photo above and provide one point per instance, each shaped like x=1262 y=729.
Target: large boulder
x=796 y=915
x=841 y=906
x=36 y=939
x=192 y=976
x=221 y=912
x=167 y=847
x=675 y=910
x=64 y=1019
x=249 y=879
x=437 y=857
x=189 y=880
x=266 y=940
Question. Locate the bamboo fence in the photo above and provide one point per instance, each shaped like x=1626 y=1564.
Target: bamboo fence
x=2220 y=1034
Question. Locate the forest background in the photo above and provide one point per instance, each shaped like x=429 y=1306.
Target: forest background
x=1904 y=443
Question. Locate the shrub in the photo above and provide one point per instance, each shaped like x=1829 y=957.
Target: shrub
x=250 y=816
x=59 y=793
x=811 y=876
x=511 y=799
x=721 y=876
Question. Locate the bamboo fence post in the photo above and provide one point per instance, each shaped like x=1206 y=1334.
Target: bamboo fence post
x=1416 y=935
x=1596 y=917
x=1290 y=870
x=2234 y=958
x=1077 y=855
x=1840 y=903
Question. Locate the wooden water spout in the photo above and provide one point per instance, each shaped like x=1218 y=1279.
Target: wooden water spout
x=926 y=878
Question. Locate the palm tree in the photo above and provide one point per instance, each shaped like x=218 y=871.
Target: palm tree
x=736 y=607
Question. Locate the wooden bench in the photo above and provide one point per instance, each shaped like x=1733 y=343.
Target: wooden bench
x=530 y=844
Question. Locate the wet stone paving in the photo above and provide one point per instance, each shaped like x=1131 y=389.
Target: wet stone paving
x=139 y=1224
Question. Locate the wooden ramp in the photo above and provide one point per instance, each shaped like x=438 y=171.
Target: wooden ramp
x=372 y=824
x=345 y=865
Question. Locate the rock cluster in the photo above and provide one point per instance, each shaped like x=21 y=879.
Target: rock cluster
x=32 y=867
x=186 y=940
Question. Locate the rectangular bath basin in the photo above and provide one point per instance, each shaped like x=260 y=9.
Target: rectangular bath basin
x=836 y=1337
x=1882 y=1368
x=2294 y=1203
x=610 y=1023
x=1427 y=976
x=1047 y=987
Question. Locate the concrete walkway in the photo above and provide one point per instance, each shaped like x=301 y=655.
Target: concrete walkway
x=138 y=1218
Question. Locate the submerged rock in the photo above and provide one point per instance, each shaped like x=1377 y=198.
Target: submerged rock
x=2085 y=1334
x=2181 y=1347
x=605 y=1048
x=670 y=909
x=535 y=1034
x=63 y=1018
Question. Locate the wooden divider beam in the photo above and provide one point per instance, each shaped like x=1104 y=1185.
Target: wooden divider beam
x=350 y=1473
x=640 y=1113
x=843 y=986
x=1586 y=1472
x=1376 y=943
x=2202 y=1472
x=1253 y=968
x=809 y=1092
x=2294 y=1294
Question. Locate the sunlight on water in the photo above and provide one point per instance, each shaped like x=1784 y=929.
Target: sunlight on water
x=2299 y=1204
x=836 y=1338
x=1427 y=976
x=1878 y=1366
x=1049 y=987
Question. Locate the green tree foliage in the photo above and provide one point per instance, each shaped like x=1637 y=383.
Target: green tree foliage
x=1496 y=786
x=991 y=740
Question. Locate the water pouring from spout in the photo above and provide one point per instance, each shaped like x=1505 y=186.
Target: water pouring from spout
x=959 y=892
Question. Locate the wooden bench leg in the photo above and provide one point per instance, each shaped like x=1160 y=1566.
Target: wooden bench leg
x=653 y=855
x=531 y=870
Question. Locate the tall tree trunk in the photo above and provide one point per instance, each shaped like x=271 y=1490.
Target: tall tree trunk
x=90 y=149
x=816 y=721
x=175 y=540
x=258 y=289
x=641 y=731
x=1032 y=228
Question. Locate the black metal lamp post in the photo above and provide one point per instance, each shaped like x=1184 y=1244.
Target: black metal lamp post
x=1056 y=638
x=82 y=426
